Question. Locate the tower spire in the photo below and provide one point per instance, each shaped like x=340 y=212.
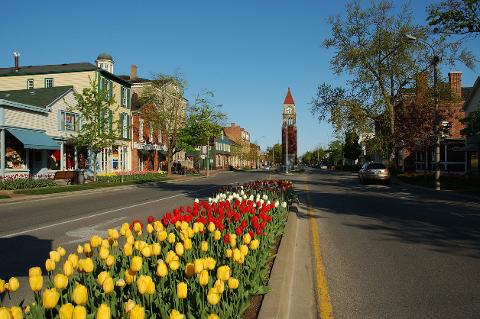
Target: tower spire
x=289 y=98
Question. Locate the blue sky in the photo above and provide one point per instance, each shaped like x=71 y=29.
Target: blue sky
x=249 y=52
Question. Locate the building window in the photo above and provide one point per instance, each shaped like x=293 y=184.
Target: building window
x=69 y=121
x=30 y=84
x=125 y=120
x=159 y=137
x=48 y=82
x=140 y=130
x=150 y=132
x=124 y=95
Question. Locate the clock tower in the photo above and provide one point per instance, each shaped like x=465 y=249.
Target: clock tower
x=289 y=131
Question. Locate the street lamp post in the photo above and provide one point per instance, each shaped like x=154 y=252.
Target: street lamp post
x=434 y=62
x=286 y=150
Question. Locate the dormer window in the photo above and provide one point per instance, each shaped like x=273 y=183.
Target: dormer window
x=48 y=82
x=30 y=84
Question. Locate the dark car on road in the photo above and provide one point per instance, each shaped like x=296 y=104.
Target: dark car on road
x=374 y=171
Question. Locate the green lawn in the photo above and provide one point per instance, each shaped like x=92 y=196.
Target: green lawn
x=74 y=188
x=454 y=183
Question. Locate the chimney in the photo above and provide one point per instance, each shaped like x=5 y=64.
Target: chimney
x=455 y=80
x=133 y=72
x=16 y=57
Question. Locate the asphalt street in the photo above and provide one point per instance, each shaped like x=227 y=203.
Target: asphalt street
x=30 y=229
x=394 y=251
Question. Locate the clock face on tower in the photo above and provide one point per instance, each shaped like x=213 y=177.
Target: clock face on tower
x=288 y=110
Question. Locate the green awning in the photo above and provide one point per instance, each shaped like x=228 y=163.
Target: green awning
x=34 y=139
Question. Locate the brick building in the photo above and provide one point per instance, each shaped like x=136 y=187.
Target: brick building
x=289 y=130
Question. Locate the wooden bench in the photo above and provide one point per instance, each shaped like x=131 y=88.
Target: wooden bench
x=64 y=175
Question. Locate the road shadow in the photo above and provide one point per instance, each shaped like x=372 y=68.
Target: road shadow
x=19 y=253
x=446 y=226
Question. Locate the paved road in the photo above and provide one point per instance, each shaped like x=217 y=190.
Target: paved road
x=30 y=229
x=391 y=252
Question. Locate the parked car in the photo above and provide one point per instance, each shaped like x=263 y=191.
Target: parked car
x=374 y=171
x=267 y=167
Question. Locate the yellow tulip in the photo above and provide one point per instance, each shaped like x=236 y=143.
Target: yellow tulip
x=50 y=298
x=13 y=284
x=137 y=227
x=127 y=249
x=130 y=276
x=87 y=249
x=120 y=283
x=105 y=243
x=157 y=225
x=142 y=284
x=34 y=271
x=151 y=287
x=87 y=265
x=4 y=313
x=212 y=297
x=73 y=259
x=254 y=244
x=162 y=270
x=232 y=283
x=156 y=249
x=213 y=316
x=233 y=242
x=171 y=255
x=150 y=228
x=61 y=251
x=66 y=311
x=211 y=227
x=124 y=228
x=79 y=312
x=2 y=286
x=179 y=249
x=60 y=281
x=196 y=228
x=247 y=238
x=50 y=264
x=67 y=268
x=204 y=246
x=146 y=251
x=80 y=295
x=244 y=250
x=181 y=290
x=175 y=314
x=36 y=283
x=189 y=270
x=113 y=233
x=103 y=312
x=223 y=272
x=203 y=278
x=237 y=254
x=201 y=227
x=136 y=263
x=95 y=241
x=17 y=312
x=219 y=286
x=130 y=240
x=54 y=255
x=79 y=249
x=162 y=235
x=187 y=244
x=137 y=312
x=171 y=238
x=198 y=265
x=103 y=253
x=110 y=260
x=217 y=235
x=108 y=285
x=210 y=263
x=228 y=253
x=127 y=306
x=174 y=265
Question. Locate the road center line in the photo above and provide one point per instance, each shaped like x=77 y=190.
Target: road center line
x=323 y=297
x=102 y=213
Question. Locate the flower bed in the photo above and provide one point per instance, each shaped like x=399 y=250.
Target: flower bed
x=201 y=261
x=139 y=176
x=25 y=181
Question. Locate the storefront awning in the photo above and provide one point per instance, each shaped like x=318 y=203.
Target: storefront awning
x=34 y=139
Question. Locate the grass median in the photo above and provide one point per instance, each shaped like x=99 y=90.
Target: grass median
x=74 y=188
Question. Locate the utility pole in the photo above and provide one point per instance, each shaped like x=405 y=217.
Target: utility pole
x=286 y=150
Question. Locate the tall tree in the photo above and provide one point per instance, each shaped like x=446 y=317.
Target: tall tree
x=371 y=47
x=352 y=149
x=274 y=154
x=204 y=122
x=165 y=107
x=98 y=129
x=455 y=17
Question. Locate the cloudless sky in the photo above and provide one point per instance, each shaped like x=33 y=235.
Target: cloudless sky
x=249 y=52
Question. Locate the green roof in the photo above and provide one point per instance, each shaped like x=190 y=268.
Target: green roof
x=41 y=98
x=104 y=56
x=47 y=69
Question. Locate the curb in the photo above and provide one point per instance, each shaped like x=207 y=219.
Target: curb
x=276 y=303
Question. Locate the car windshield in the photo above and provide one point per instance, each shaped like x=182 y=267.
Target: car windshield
x=376 y=166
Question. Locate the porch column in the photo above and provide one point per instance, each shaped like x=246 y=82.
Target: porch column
x=445 y=161
x=2 y=152
x=75 y=152
x=27 y=158
x=62 y=156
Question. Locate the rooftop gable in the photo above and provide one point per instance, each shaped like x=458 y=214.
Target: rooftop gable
x=40 y=98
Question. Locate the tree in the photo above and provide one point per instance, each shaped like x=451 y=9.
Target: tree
x=472 y=123
x=274 y=154
x=204 y=122
x=164 y=107
x=335 y=152
x=371 y=47
x=351 y=149
x=455 y=17
x=98 y=129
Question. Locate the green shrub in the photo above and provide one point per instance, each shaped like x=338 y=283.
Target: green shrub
x=141 y=178
x=24 y=183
